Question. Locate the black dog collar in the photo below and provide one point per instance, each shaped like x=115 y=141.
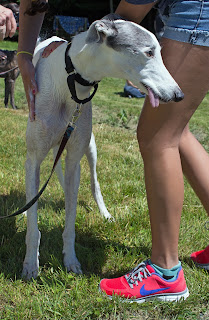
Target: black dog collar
x=74 y=76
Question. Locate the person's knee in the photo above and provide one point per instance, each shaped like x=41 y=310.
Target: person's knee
x=187 y=139
x=185 y=135
x=148 y=143
x=152 y=144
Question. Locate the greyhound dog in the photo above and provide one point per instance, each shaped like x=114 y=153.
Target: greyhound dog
x=110 y=48
x=9 y=71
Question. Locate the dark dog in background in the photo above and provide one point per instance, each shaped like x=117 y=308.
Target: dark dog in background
x=8 y=63
x=9 y=71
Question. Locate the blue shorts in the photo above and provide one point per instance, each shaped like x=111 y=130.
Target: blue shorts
x=184 y=20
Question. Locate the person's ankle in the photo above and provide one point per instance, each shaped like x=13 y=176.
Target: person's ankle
x=164 y=262
x=167 y=273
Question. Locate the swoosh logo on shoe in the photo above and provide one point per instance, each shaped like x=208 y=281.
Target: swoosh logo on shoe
x=145 y=292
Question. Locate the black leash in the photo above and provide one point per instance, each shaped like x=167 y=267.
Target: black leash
x=65 y=138
x=5 y=72
x=72 y=77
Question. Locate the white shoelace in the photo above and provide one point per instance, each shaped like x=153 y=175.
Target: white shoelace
x=137 y=274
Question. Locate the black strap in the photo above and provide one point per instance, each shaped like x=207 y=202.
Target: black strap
x=74 y=76
x=65 y=138
x=71 y=86
x=5 y=72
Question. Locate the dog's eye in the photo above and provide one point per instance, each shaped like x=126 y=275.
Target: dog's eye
x=149 y=54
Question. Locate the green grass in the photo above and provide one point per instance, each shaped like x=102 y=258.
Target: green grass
x=104 y=249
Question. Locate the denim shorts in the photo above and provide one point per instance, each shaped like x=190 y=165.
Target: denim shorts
x=187 y=21
x=184 y=20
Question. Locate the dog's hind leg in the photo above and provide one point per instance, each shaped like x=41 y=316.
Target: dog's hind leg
x=31 y=261
x=72 y=180
x=91 y=154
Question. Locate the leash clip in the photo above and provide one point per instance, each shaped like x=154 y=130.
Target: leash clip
x=72 y=73
x=76 y=114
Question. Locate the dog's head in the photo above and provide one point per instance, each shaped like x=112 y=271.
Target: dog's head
x=3 y=59
x=135 y=54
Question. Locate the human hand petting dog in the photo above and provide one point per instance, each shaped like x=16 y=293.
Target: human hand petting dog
x=51 y=47
x=7 y=23
x=28 y=75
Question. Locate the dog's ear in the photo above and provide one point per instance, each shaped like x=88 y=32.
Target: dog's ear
x=112 y=17
x=100 y=30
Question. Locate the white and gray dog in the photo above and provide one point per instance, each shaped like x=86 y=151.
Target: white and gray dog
x=119 y=49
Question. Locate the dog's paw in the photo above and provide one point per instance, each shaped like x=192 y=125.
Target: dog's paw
x=110 y=218
x=76 y=268
x=107 y=215
x=72 y=265
x=30 y=270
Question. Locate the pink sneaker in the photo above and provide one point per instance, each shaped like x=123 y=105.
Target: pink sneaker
x=201 y=258
x=143 y=283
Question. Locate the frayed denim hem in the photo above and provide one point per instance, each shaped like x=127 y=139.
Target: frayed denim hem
x=196 y=37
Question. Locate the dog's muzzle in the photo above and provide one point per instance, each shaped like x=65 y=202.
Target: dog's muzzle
x=178 y=95
x=155 y=99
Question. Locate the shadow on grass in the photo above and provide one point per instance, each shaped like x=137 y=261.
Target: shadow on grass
x=91 y=250
x=191 y=264
x=121 y=94
x=11 y=241
x=16 y=200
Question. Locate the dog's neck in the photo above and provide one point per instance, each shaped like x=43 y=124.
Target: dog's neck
x=86 y=59
x=81 y=58
x=74 y=76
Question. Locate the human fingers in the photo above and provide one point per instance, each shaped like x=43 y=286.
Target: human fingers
x=12 y=26
x=2 y=15
x=30 y=91
x=2 y=32
x=7 y=22
x=8 y=27
x=2 y=23
x=10 y=23
x=30 y=95
x=50 y=48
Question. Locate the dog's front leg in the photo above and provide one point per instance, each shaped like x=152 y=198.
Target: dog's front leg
x=72 y=180
x=33 y=236
x=12 y=94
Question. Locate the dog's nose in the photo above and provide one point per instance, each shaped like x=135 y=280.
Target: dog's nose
x=178 y=95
